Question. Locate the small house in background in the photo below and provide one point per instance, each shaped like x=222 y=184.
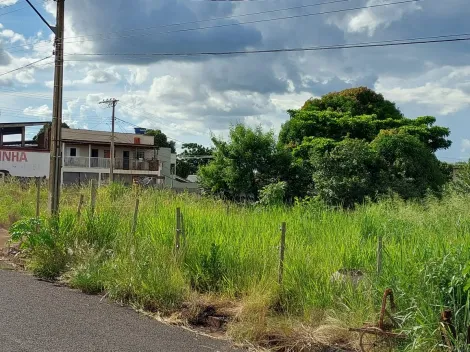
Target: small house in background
x=87 y=156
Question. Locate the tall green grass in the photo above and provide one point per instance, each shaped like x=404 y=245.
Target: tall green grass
x=231 y=251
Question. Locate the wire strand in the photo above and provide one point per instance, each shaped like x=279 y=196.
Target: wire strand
x=25 y=66
x=316 y=48
x=212 y=19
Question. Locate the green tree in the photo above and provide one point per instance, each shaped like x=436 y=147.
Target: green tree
x=193 y=156
x=356 y=101
x=411 y=167
x=243 y=165
x=461 y=182
x=315 y=134
x=347 y=174
x=338 y=126
x=47 y=125
x=161 y=140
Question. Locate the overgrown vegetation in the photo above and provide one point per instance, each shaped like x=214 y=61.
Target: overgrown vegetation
x=345 y=147
x=231 y=253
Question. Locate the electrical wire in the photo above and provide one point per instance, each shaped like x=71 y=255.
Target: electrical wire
x=183 y=23
x=212 y=19
x=249 y=22
x=12 y=11
x=25 y=66
x=284 y=50
x=228 y=24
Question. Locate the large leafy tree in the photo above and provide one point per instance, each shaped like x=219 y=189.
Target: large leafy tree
x=348 y=173
x=161 y=140
x=403 y=147
x=411 y=167
x=244 y=164
x=338 y=126
x=355 y=101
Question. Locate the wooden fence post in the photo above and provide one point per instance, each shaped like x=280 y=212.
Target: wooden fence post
x=183 y=232
x=282 y=249
x=38 y=197
x=80 y=205
x=136 y=214
x=93 y=196
x=379 y=254
x=178 y=229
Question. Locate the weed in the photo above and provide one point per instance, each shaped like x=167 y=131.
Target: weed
x=232 y=252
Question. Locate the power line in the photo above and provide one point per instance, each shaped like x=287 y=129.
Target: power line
x=213 y=19
x=12 y=11
x=5 y=6
x=316 y=48
x=25 y=66
x=182 y=23
x=241 y=23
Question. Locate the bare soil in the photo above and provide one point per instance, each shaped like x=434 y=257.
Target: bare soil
x=4 y=237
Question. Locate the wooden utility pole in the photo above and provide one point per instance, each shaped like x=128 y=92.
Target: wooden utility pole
x=55 y=169
x=112 y=103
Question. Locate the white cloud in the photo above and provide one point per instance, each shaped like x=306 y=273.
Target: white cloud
x=465 y=145
x=137 y=75
x=448 y=100
x=12 y=36
x=445 y=88
x=42 y=111
x=25 y=77
x=93 y=76
x=8 y=3
x=369 y=20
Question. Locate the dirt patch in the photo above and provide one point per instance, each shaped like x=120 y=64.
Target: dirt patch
x=4 y=237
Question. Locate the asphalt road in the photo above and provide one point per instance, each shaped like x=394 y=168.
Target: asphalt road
x=37 y=316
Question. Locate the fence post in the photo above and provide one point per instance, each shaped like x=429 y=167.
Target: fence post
x=136 y=214
x=38 y=197
x=93 y=196
x=282 y=249
x=183 y=232
x=379 y=254
x=178 y=229
x=80 y=205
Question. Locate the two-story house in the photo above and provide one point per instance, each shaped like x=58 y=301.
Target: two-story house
x=86 y=156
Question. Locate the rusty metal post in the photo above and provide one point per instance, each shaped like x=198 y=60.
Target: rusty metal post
x=282 y=249
x=178 y=230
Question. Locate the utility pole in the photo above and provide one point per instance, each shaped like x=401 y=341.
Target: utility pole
x=55 y=169
x=111 y=103
x=56 y=130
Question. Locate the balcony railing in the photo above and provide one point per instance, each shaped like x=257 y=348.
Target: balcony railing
x=104 y=163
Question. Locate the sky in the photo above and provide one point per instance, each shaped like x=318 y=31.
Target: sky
x=191 y=98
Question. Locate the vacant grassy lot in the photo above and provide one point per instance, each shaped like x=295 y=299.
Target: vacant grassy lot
x=229 y=256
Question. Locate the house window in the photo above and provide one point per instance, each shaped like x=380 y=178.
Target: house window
x=73 y=151
x=140 y=154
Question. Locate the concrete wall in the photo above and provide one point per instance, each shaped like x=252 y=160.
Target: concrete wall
x=164 y=155
x=82 y=150
x=79 y=178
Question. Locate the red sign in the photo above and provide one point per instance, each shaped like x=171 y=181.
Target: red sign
x=13 y=156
